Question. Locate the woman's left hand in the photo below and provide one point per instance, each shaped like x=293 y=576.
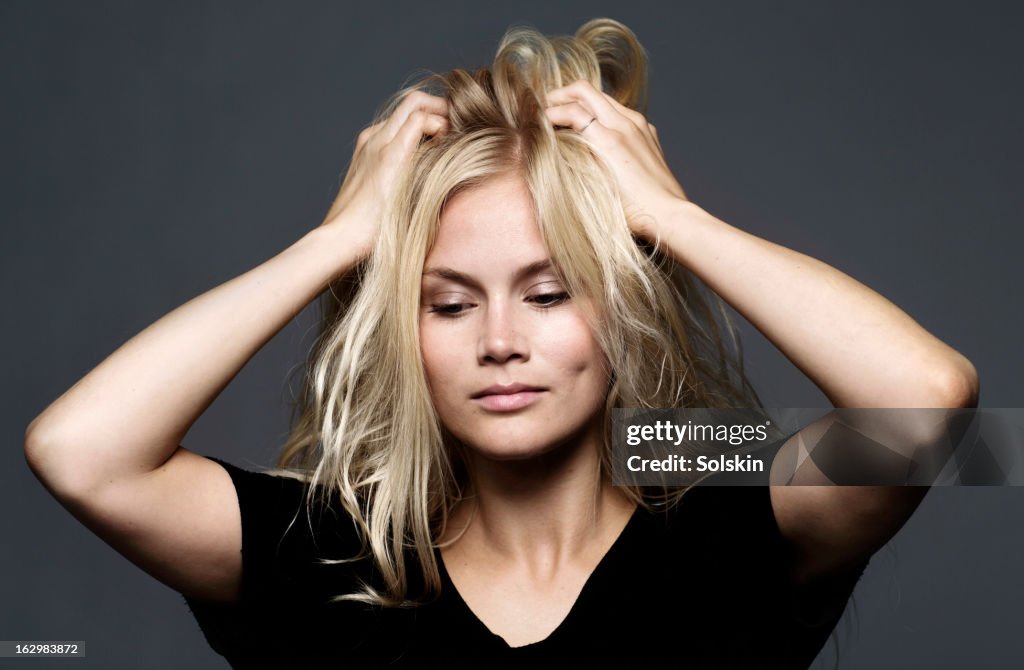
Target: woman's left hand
x=628 y=144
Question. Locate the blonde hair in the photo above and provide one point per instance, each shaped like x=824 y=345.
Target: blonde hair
x=366 y=432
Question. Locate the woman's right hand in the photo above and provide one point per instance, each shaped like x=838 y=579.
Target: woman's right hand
x=381 y=151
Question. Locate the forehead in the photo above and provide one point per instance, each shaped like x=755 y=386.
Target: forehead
x=491 y=223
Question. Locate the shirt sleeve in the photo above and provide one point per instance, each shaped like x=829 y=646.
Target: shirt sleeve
x=283 y=613
x=743 y=519
x=821 y=604
x=271 y=507
x=267 y=505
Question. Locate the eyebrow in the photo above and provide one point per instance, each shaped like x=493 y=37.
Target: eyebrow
x=454 y=275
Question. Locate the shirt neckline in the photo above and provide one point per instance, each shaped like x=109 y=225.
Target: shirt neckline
x=448 y=587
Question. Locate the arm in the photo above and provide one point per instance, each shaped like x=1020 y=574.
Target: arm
x=107 y=448
x=126 y=417
x=856 y=346
x=860 y=349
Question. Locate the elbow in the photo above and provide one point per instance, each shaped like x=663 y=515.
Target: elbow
x=958 y=385
x=38 y=434
x=32 y=444
x=47 y=460
x=35 y=451
x=36 y=439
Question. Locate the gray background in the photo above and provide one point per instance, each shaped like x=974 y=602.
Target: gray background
x=152 y=152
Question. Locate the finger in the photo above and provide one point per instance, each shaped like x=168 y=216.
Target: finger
x=418 y=124
x=594 y=98
x=573 y=115
x=366 y=134
x=598 y=103
x=640 y=123
x=638 y=119
x=414 y=101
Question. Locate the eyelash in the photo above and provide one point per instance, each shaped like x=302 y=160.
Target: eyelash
x=558 y=299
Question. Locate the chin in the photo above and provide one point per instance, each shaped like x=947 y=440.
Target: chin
x=510 y=447
x=506 y=453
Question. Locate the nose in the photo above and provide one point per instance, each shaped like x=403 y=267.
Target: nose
x=501 y=339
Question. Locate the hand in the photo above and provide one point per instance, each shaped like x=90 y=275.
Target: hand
x=382 y=150
x=628 y=144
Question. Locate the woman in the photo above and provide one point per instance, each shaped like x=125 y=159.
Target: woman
x=507 y=260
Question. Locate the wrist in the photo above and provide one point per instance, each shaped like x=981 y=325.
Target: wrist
x=670 y=214
x=336 y=248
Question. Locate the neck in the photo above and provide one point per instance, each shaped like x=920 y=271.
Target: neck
x=544 y=510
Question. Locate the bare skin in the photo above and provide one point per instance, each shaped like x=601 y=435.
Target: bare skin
x=109 y=448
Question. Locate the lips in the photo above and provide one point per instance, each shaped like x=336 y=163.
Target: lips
x=506 y=389
x=508 y=397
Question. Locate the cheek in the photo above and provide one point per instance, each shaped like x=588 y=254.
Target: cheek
x=573 y=348
x=439 y=348
x=429 y=343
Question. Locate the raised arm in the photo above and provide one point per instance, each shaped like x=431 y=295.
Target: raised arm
x=108 y=448
x=856 y=346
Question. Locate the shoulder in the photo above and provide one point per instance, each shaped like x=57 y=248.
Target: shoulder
x=741 y=513
x=266 y=500
x=733 y=522
x=295 y=559
x=730 y=536
x=732 y=501
x=287 y=530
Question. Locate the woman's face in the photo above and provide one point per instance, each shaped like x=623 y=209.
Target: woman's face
x=493 y=315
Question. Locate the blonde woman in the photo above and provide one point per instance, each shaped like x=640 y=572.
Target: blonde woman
x=508 y=259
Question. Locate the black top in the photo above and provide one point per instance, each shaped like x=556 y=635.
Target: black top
x=702 y=585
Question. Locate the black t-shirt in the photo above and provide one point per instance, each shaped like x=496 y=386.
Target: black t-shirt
x=703 y=585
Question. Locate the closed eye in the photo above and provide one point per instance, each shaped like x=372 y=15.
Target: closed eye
x=448 y=309
x=549 y=299
x=453 y=310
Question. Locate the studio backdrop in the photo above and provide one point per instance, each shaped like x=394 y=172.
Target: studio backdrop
x=152 y=151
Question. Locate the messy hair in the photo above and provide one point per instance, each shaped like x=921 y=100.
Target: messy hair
x=366 y=433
